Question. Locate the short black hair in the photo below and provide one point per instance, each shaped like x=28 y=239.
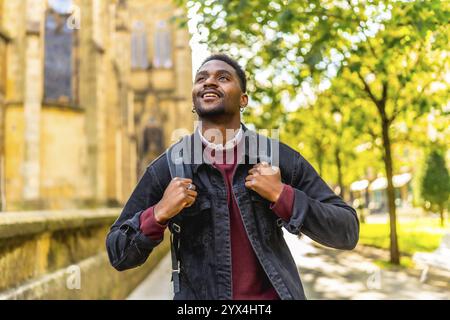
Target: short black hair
x=233 y=63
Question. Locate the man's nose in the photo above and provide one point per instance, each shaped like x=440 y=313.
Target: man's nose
x=210 y=81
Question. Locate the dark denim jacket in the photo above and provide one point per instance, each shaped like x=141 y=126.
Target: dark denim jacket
x=205 y=238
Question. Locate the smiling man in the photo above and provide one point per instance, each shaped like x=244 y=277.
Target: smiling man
x=226 y=217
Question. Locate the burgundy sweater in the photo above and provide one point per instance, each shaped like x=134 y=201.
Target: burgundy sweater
x=250 y=282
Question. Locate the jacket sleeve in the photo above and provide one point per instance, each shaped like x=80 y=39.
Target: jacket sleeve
x=127 y=246
x=318 y=212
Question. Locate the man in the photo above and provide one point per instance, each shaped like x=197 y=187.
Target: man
x=227 y=219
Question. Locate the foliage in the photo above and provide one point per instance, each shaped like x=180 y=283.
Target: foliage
x=421 y=235
x=435 y=186
x=383 y=65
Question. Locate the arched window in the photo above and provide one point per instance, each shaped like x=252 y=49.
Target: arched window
x=153 y=141
x=163 y=46
x=139 y=59
x=61 y=66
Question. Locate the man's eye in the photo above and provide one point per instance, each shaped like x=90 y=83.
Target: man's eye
x=199 y=79
x=223 y=78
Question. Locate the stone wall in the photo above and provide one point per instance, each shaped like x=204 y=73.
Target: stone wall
x=42 y=253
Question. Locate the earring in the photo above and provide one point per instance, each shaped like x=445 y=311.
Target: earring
x=242 y=109
x=193 y=109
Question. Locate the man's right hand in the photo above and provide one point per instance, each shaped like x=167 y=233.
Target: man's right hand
x=176 y=197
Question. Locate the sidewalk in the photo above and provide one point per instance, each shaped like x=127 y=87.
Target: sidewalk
x=326 y=274
x=335 y=274
x=157 y=286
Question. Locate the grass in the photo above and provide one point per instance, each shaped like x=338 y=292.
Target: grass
x=420 y=235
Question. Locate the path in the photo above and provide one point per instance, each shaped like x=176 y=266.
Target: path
x=326 y=274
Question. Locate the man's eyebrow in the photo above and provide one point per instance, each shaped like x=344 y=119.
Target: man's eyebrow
x=204 y=72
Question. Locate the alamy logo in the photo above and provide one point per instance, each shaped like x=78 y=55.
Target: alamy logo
x=73 y=280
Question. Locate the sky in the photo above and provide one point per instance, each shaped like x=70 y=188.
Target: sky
x=199 y=51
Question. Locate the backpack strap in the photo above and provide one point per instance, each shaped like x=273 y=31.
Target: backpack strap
x=266 y=153
x=178 y=162
x=177 y=168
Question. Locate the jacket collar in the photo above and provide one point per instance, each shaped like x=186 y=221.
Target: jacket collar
x=243 y=145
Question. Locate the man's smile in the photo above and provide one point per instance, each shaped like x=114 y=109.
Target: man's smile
x=210 y=95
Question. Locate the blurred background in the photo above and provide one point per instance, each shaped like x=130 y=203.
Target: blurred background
x=91 y=92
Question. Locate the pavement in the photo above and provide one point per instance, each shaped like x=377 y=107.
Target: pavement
x=157 y=286
x=326 y=274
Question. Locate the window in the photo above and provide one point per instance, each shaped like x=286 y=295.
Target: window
x=153 y=139
x=61 y=66
x=139 y=58
x=163 y=46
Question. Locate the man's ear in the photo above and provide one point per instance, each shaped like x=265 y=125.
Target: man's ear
x=244 y=100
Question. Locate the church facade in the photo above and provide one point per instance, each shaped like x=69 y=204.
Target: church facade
x=90 y=93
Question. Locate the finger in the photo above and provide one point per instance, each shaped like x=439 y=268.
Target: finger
x=254 y=171
x=183 y=180
x=189 y=201
x=191 y=193
x=251 y=177
x=189 y=205
x=249 y=184
x=270 y=170
x=193 y=187
x=257 y=165
x=264 y=164
x=182 y=183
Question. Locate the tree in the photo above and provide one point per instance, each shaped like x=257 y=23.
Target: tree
x=325 y=132
x=395 y=70
x=435 y=184
x=391 y=55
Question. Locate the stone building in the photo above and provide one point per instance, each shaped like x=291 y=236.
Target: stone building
x=90 y=92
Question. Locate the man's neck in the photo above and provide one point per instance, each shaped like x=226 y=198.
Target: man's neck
x=232 y=127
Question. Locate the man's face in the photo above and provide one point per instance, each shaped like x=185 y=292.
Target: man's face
x=217 y=90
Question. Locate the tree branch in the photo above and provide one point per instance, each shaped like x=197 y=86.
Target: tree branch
x=369 y=91
x=371 y=133
x=398 y=110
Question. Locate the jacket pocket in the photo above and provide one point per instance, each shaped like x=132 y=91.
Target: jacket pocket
x=197 y=229
x=202 y=204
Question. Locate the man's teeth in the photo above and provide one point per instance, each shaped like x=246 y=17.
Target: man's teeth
x=210 y=95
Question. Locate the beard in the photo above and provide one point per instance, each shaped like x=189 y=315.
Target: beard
x=209 y=110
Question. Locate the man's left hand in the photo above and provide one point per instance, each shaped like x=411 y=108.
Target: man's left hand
x=265 y=180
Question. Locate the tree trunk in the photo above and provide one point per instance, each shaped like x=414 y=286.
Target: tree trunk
x=390 y=192
x=362 y=215
x=441 y=213
x=337 y=155
x=319 y=158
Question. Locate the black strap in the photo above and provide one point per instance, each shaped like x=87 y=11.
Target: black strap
x=180 y=163
x=176 y=260
x=266 y=155
x=177 y=168
x=174 y=246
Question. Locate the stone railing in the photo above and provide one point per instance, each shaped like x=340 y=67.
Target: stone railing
x=62 y=255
